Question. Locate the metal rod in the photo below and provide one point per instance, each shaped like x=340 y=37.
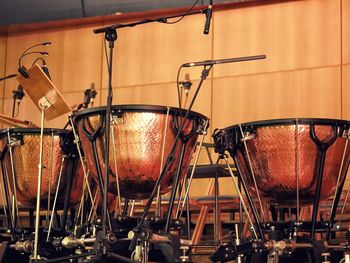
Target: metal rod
x=175 y=186
x=240 y=196
x=194 y=165
x=37 y=215
x=159 y=198
x=252 y=172
x=216 y=208
x=86 y=177
x=7 y=192
x=15 y=206
x=51 y=175
x=339 y=176
x=93 y=207
x=116 y=168
x=296 y=134
x=249 y=198
x=132 y=208
x=188 y=216
x=55 y=199
x=2 y=193
x=100 y=179
x=70 y=176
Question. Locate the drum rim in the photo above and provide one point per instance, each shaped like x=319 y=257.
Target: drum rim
x=29 y=131
x=280 y=122
x=135 y=107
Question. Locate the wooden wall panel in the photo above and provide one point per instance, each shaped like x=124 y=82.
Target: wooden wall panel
x=346 y=92
x=305 y=93
x=74 y=61
x=3 y=45
x=161 y=94
x=346 y=31
x=293 y=35
x=153 y=52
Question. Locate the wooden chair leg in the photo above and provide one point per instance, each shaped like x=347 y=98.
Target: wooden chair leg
x=198 y=230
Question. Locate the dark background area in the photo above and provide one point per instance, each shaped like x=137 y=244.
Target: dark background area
x=32 y=11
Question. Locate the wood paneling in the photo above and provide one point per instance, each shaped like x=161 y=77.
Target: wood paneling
x=152 y=53
x=74 y=61
x=295 y=35
x=3 y=40
x=346 y=31
x=161 y=94
x=305 y=93
x=346 y=92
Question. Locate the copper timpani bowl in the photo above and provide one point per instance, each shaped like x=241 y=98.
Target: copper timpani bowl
x=23 y=156
x=284 y=160
x=139 y=134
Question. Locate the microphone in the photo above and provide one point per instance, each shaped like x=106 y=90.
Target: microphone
x=47 y=43
x=87 y=98
x=93 y=94
x=46 y=69
x=187 y=83
x=21 y=68
x=208 y=15
x=89 y=95
x=19 y=93
x=222 y=61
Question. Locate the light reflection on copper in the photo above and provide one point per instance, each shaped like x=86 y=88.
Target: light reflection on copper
x=273 y=157
x=25 y=162
x=138 y=140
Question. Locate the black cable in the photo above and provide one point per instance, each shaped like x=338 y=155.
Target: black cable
x=83 y=8
x=43 y=53
x=37 y=59
x=165 y=21
x=179 y=93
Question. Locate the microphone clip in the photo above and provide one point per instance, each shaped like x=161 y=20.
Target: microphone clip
x=23 y=72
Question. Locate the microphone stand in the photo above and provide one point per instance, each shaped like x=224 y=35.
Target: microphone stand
x=111 y=36
x=146 y=21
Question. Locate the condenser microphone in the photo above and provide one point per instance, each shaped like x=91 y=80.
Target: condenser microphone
x=87 y=98
x=46 y=69
x=222 y=61
x=187 y=83
x=93 y=93
x=208 y=15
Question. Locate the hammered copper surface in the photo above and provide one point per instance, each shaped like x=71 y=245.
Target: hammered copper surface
x=284 y=160
x=25 y=163
x=138 y=138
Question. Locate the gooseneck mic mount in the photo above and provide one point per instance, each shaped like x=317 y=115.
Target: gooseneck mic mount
x=22 y=69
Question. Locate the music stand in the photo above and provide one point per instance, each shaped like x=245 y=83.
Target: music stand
x=51 y=103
